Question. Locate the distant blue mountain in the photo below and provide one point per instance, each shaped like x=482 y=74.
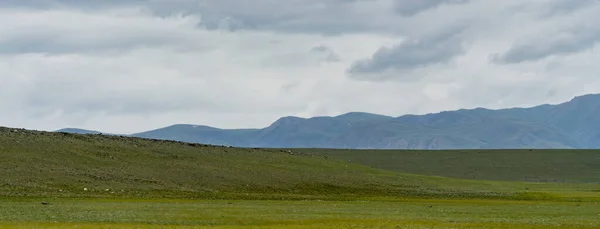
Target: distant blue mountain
x=78 y=131
x=84 y=131
x=573 y=124
x=288 y=132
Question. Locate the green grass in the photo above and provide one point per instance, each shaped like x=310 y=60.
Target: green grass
x=41 y=163
x=414 y=213
x=141 y=183
x=55 y=164
x=573 y=166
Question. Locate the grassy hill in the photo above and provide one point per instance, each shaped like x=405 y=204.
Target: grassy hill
x=108 y=181
x=38 y=163
x=53 y=163
x=571 y=166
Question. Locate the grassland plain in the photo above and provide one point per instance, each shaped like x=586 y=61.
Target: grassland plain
x=535 y=165
x=99 y=181
x=408 y=213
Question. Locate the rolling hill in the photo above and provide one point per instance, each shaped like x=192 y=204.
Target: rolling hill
x=36 y=163
x=572 y=124
x=42 y=164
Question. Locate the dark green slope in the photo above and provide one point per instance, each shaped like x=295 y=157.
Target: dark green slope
x=571 y=166
x=44 y=163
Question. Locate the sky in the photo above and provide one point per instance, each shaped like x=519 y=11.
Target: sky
x=125 y=66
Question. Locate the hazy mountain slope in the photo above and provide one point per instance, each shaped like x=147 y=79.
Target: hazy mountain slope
x=572 y=124
x=455 y=130
x=200 y=134
x=285 y=132
x=78 y=131
x=314 y=132
x=579 y=117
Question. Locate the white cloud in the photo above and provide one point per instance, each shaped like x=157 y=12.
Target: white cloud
x=135 y=65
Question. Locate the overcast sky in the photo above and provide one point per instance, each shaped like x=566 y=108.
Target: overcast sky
x=125 y=66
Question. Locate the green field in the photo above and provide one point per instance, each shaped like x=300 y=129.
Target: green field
x=414 y=213
x=98 y=181
x=509 y=165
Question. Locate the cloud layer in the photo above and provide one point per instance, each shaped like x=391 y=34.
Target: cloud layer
x=127 y=66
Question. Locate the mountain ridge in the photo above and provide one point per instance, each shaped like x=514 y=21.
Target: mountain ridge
x=570 y=124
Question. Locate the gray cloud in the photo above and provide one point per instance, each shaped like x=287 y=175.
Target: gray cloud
x=56 y=43
x=51 y=4
x=97 y=33
x=563 y=42
x=124 y=65
x=316 y=56
x=563 y=7
x=328 y=17
x=120 y=103
x=412 y=7
x=411 y=54
x=292 y=16
x=325 y=54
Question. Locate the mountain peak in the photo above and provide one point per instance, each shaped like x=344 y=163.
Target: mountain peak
x=355 y=114
x=190 y=126
x=585 y=98
x=287 y=120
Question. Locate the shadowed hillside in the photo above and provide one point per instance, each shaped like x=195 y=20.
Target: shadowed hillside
x=509 y=165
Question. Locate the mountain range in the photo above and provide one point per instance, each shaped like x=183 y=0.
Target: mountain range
x=572 y=124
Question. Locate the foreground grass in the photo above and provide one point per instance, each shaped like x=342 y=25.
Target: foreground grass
x=408 y=213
